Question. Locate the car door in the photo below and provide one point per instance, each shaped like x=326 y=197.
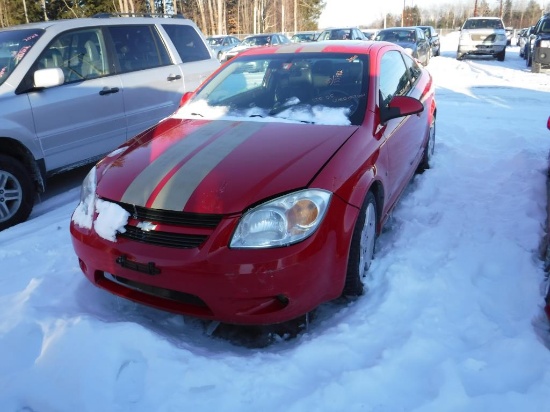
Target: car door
x=401 y=137
x=152 y=84
x=83 y=118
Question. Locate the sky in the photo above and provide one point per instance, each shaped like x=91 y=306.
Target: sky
x=453 y=320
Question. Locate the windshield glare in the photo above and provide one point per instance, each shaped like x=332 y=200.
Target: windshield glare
x=14 y=46
x=319 y=88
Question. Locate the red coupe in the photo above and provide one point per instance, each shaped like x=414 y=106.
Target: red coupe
x=263 y=195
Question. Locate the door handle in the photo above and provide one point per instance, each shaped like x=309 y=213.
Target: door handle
x=106 y=90
x=172 y=77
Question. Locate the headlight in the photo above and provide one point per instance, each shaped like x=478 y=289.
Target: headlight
x=84 y=213
x=282 y=221
x=545 y=43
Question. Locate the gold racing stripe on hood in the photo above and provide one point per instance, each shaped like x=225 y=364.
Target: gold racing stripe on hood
x=143 y=186
x=179 y=188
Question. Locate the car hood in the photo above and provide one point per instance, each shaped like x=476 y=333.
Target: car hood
x=219 y=166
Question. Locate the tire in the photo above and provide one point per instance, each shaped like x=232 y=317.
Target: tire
x=500 y=56
x=536 y=67
x=361 y=251
x=528 y=59
x=426 y=161
x=459 y=56
x=16 y=192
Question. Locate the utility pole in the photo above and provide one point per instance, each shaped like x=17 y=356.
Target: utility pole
x=475 y=9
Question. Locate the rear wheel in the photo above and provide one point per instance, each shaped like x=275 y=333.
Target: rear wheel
x=362 y=248
x=536 y=67
x=16 y=192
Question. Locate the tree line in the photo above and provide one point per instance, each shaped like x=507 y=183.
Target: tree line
x=261 y=16
x=517 y=14
x=212 y=16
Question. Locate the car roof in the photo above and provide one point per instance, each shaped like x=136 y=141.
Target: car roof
x=326 y=46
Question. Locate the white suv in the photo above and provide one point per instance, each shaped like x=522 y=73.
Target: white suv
x=73 y=90
x=482 y=36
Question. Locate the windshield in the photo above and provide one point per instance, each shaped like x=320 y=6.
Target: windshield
x=483 y=24
x=257 y=41
x=318 y=88
x=215 y=41
x=397 y=36
x=14 y=46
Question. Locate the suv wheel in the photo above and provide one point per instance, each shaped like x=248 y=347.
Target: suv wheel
x=459 y=56
x=16 y=192
x=500 y=56
x=536 y=67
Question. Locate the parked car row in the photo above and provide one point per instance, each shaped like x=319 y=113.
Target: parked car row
x=422 y=42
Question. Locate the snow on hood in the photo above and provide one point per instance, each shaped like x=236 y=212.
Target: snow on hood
x=220 y=166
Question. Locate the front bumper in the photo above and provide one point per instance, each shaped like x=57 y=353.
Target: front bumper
x=481 y=49
x=237 y=286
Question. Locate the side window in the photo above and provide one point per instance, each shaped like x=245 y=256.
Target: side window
x=188 y=42
x=413 y=68
x=138 y=47
x=81 y=54
x=394 y=77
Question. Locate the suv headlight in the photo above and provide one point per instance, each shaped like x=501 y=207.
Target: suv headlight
x=283 y=221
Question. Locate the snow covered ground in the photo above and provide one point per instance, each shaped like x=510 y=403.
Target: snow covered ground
x=453 y=320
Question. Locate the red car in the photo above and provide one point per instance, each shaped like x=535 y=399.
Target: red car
x=263 y=195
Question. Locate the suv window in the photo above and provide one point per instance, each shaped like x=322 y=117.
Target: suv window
x=138 y=48
x=187 y=42
x=80 y=54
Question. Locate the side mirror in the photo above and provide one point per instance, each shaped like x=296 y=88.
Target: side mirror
x=44 y=78
x=400 y=106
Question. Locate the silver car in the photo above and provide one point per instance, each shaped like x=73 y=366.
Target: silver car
x=221 y=44
x=73 y=90
x=257 y=40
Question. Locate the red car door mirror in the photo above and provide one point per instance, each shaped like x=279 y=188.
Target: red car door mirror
x=400 y=106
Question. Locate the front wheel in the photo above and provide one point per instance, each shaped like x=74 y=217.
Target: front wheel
x=426 y=161
x=16 y=192
x=362 y=248
x=500 y=56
